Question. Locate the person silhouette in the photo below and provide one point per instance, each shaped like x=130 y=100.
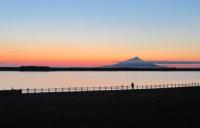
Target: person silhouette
x=132 y=85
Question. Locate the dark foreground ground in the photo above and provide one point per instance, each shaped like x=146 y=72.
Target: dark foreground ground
x=161 y=108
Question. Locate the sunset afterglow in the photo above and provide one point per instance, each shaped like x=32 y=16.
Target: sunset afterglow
x=88 y=33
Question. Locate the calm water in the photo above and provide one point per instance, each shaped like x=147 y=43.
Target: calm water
x=77 y=79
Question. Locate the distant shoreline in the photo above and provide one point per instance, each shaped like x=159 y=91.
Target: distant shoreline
x=53 y=69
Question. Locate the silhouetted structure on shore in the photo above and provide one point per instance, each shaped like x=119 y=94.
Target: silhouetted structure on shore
x=132 y=86
x=10 y=92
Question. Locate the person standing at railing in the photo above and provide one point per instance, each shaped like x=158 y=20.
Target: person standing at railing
x=132 y=85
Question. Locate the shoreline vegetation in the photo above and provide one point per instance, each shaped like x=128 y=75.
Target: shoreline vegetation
x=154 y=108
x=48 y=69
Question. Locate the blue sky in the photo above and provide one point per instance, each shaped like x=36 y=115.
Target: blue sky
x=151 y=29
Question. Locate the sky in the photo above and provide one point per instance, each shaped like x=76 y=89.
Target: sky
x=98 y=32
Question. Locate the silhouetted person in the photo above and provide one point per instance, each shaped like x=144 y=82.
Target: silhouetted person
x=132 y=85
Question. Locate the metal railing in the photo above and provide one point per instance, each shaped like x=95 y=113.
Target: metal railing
x=107 y=88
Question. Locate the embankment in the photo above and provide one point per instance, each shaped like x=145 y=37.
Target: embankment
x=156 y=108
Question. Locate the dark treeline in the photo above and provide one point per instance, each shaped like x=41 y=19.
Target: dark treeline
x=46 y=68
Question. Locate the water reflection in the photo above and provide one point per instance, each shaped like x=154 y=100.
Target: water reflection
x=78 y=79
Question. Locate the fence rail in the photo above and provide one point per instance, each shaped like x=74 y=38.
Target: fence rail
x=100 y=88
x=107 y=88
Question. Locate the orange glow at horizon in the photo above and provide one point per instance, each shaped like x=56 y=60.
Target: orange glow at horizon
x=82 y=61
x=87 y=55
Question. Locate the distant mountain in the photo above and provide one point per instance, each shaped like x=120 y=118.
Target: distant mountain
x=135 y=62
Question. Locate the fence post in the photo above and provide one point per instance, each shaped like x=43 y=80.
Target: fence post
x=27 y=90
x=41 y=90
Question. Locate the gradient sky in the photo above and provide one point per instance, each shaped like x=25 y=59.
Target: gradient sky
x=98 y=32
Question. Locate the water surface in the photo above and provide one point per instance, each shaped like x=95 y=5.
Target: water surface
x=78 y=79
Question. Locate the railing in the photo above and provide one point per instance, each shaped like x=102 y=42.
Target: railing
x=107 y=88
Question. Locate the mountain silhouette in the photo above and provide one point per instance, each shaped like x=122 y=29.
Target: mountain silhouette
x=135 y=62
x=135 y=59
